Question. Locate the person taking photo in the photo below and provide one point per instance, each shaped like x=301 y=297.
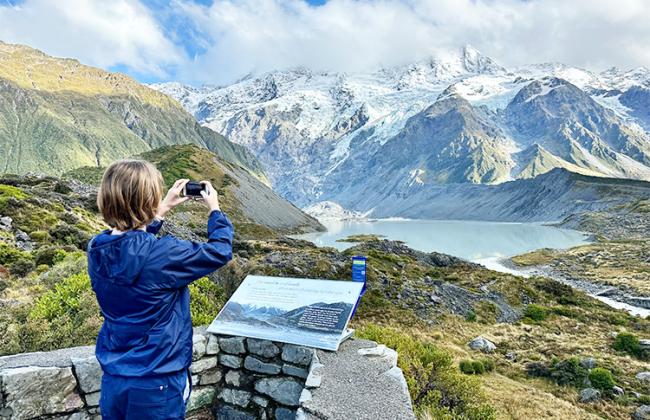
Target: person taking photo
x=141 y=283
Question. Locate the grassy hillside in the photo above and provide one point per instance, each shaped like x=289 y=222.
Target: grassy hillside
x=254 y=208
x=57 y=115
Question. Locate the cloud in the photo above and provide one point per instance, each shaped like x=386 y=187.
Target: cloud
x=223 y=40
x=101 y=33
x=354 y=35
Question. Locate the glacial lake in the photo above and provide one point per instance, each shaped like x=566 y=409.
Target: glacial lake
x=482 y=242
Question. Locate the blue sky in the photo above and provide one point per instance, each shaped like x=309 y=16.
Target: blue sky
x=219 y=41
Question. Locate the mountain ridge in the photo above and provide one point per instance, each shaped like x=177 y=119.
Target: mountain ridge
x=57 y=115
x=319 y=133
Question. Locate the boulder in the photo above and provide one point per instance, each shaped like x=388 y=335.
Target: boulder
x=643 y=377
x=264 y=348
x=199 y=343
x=5 y=223
x=282 y=390
x=39 y=391
x=642 y=413
x=644 y=345
x=232 y=345
x=297 y=355
x=482 y=344
x=256 y=365
x=88 y=372
x=235 y=397
x=23 y=241
x=589 y=395
x=262 y=402
x=588 y=363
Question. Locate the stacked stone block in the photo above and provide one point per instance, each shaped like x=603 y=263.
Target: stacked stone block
x=262 y=379
x=234 y=377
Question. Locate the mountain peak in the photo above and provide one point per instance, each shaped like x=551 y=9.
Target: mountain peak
x=475 y=62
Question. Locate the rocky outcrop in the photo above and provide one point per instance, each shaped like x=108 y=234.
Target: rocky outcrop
x=482 y=344
x=642 y=413
x=234 y=377
x=589 y=395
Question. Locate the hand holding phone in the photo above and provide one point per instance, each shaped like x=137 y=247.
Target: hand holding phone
x=210 y=196
x=172 y=199
x=193 y=189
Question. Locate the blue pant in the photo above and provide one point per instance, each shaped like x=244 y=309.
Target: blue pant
x=153 y=397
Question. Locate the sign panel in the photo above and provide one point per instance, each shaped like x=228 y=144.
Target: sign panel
x=306 y=312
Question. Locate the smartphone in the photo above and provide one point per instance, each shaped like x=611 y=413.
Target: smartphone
x=193 y=189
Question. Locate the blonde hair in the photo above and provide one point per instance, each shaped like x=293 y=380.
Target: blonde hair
x=129 y=194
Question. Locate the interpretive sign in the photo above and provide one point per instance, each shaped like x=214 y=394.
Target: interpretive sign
x=306 y=312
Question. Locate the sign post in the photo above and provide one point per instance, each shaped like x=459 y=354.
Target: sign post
x=359 y=275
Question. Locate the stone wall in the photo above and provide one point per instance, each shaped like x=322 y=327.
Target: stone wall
x=232 y=377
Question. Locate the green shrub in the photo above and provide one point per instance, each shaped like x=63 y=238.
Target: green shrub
x=488 y=364
x=538 y=370
x=569 y=372
x=476 y=367
x=39 y=236
x=49 y=255
x=70 y=235
x=72 y=263
x=471 y=316
x=601 y=379
x=206 y=300
x=65 y=316
x=627 y=343
x=479 y=369
x=40 y=269
x=9 y=193
x=62 y=188
x=59 y=256
x=566 y=312
x=9 y=254
x=562 y=293
x=21 y=267
x=437 y=388
x=536 y=313
x=466 y=366
x=63 y=299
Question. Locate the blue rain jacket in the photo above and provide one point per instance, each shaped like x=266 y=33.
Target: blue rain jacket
x=141 y=286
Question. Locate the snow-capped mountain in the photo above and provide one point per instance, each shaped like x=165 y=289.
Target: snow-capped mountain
x=395 y=132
